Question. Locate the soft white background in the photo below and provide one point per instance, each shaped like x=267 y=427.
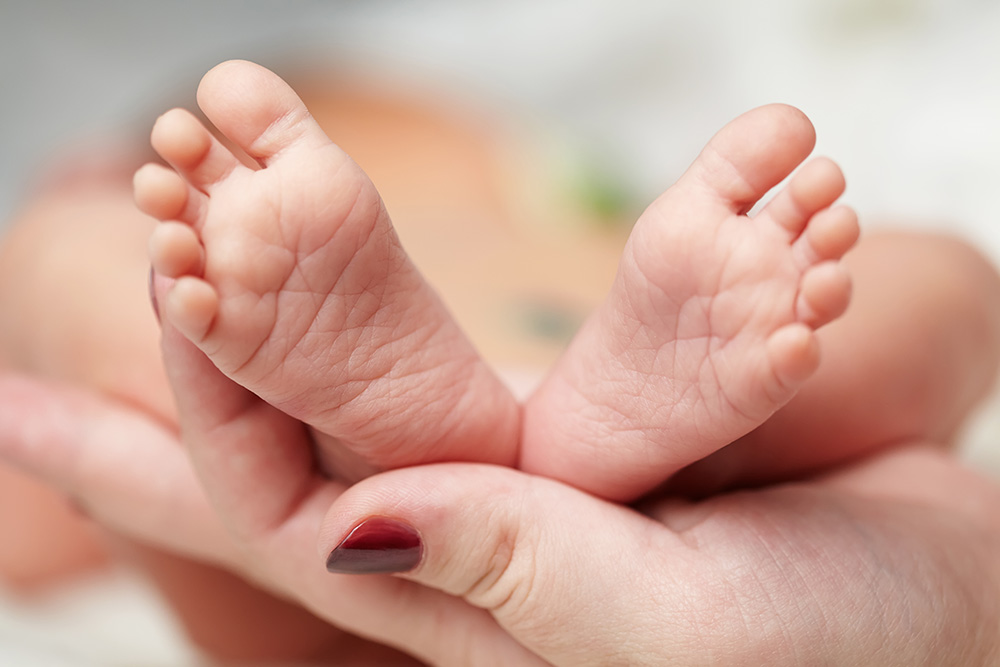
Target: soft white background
x=905 y=95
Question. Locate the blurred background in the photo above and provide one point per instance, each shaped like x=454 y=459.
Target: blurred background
x=905 y=94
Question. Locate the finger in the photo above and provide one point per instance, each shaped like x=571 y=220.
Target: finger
x=131 y=474
x=257 y=464
x=238 y=443
x=123 y=468
x=566 y=574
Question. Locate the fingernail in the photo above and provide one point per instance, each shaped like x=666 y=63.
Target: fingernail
x=152 y=295
x=377 y=546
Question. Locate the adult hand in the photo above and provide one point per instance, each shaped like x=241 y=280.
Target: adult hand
x=133 y=475
x=893 y=562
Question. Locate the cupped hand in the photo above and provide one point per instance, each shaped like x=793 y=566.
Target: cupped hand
x=892 y=562
x=133 y=475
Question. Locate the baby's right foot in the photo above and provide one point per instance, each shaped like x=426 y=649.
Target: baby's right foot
x=709 y=326
x=292 y=281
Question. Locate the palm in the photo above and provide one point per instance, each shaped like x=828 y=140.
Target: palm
x=878 y=564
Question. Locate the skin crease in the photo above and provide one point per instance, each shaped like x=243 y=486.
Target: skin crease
x=731 y=527
x=894 y=495
x=700 y=286
x=921 y=528
x=809 y=572
x=903 y=534
x=843 y=571
x=82 y=230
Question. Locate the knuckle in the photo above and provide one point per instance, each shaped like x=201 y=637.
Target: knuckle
x=508 y=570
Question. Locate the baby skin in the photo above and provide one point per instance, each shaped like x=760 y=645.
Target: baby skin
x=285 y=271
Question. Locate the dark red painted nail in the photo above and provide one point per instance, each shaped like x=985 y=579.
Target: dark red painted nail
x=152 y=295
x=377 y=546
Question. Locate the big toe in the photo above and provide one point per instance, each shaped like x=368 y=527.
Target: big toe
x=257 y=110
x=752 y=154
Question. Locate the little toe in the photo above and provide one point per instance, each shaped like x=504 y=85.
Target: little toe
x=752 y=154
x=829 y=235
x=190 y=148
x=271 y=118
x=816 y=186
x=191 y=306
x=175 y=250
x=824 y=294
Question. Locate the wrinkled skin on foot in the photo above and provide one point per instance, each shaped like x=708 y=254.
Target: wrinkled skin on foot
x=292 y=280
x=709 y=327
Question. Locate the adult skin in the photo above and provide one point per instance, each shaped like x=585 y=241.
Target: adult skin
x=893 y=561
x=86 y=444
x=262 y=548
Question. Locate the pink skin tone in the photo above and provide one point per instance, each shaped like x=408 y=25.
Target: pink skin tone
x=312 y=302
x=446 y=503
x=292 y=281
x=709 y=327
x=497 y=565
x=818 y=572
x=824 y=567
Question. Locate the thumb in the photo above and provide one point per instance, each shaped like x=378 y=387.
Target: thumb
x=571 y=577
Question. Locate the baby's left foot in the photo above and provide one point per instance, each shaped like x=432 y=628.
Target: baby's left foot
x=709 y=327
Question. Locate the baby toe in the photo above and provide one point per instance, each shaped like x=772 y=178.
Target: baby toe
x=191 y=306
x=793 y=352
x=752 y=154
x=830 y=234
x=257 y=110
x=160 y=192
x=815 y=187
x=824 y=294
x=175 y=250
x=190 y=148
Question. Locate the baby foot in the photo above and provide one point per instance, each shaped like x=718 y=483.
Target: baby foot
x=291 y=279
x=709 y=327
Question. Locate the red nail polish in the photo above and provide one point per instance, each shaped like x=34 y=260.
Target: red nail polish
x=377 y=546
